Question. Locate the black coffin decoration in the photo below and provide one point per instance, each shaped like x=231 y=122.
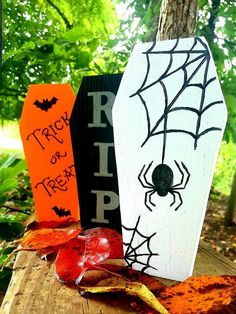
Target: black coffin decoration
x=94 y=155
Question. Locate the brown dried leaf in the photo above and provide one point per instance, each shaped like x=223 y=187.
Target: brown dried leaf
x=119 y=284
x=130 y=274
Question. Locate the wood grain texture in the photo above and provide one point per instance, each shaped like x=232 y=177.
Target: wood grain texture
x=35 y=289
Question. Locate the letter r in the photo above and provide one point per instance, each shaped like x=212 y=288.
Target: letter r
x=98 y=108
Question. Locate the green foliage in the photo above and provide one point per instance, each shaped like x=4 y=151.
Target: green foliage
x=10 y=167
x=15 y=196
x=14 y=193
x=49 y=41
x=225 y=168
x=217 y=22
x=15 y=205
x=10 y=228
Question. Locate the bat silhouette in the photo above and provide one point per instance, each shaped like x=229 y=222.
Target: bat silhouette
x=61 y=212
x=45 y=104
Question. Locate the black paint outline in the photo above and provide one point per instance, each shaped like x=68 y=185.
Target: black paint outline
x=202 y=55
x=131 y=253
x=166 y=182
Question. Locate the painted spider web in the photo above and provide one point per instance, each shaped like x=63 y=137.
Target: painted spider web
x=140 y=254
x=196 y=64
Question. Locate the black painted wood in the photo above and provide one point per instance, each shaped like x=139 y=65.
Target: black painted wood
x=94 y=155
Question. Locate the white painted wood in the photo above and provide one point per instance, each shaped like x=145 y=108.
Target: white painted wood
x=179 y=78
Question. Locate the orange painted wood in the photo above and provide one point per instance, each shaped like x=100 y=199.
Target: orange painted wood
x=45 y=133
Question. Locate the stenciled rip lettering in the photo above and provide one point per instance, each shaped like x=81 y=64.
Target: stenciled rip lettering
x=59 y=183
x=98 y=108
x=103 y=159
x=105 y=200
x=41 y=136
x=102 y=204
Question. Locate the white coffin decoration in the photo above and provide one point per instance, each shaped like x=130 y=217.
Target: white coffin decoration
x=168 y=117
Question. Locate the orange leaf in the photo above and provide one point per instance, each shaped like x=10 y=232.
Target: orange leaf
x=34 y=225
x=204 y=294
x=43 y=238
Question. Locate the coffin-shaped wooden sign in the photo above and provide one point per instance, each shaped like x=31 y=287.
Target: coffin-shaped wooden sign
x=45 y=133
x=93 y=146
x=169 y=116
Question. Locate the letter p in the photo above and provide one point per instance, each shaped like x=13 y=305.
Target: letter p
x=102 y=205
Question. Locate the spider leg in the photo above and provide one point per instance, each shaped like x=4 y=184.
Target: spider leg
x=180 y=198
x=182 y=185
x=172 y=193
x=148 y=200
x=142 y=177
x=149 y=197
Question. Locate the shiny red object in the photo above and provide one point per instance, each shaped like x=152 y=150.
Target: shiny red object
x=114 y=238
x=77 y=255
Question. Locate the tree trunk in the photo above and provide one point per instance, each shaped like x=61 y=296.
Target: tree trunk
x=177 y=19
x=229 y=215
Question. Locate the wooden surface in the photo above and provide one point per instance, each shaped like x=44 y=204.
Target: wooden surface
x=35 y=289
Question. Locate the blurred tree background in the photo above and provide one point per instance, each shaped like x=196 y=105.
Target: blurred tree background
x=58 y=41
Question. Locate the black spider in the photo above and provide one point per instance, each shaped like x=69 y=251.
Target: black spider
x=162 y=182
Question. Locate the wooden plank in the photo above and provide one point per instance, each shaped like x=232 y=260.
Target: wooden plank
x=211 y=263
x=35 y=289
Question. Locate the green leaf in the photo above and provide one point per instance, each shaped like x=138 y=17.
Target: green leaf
x=5 y=277
x=77 y=33
x=7 y=185
x=202 y=3
x=229 y=29
x=93 y=44
x=19 y=167
x=20 y=55
x=83 y=59
x=10 y=167
x=10 y=230
x=30 y=45
x=7 y=161
x=3 y=198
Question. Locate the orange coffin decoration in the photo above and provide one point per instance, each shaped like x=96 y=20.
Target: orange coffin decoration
x=45 y=133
